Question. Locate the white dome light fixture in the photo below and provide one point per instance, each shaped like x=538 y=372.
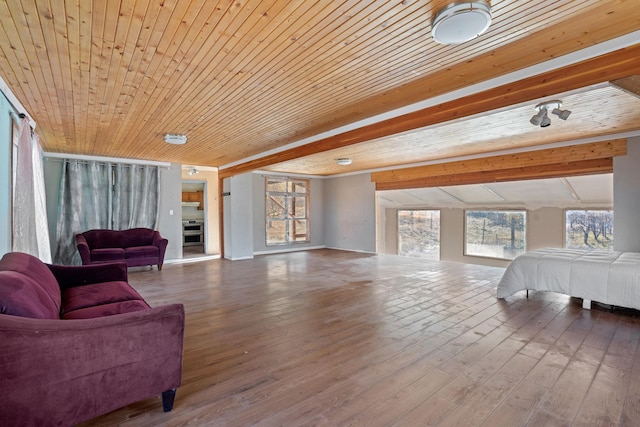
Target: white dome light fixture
x=171 y=138
x=344 y=161
x=461 y=21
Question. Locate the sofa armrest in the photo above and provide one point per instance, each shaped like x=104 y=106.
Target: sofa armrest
x=83 y=249
x=62 y=372
x=161 y=243
x=78 y=275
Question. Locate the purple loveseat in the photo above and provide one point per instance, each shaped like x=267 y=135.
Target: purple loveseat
x=78 y=342
x=136 y=246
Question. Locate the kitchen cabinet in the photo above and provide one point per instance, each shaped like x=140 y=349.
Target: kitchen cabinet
x=194 y=196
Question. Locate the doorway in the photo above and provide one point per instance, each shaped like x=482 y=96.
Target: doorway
x=194 y=219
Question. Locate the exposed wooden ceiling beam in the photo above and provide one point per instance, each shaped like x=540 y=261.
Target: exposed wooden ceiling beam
x=552 y=162
x=558 y=170
x=614 y=65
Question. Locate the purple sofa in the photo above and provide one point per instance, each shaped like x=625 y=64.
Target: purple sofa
x=78 y=341
x=136 y=246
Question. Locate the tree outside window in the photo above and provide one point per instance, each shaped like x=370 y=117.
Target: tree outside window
x=589 y=229
x=495 y=234
x=419 y=233
x=286 y=210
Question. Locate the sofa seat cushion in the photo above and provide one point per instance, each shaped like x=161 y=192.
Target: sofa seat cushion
x=80 y=297
x=107 y=254
x=106 y=310
x=141 y=252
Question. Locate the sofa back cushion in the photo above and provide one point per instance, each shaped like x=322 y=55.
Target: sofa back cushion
x=28 y=288
x=137 y=237
x=100 y=239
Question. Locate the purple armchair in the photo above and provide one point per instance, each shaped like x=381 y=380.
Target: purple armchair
x=78 y=342
x=136 y=246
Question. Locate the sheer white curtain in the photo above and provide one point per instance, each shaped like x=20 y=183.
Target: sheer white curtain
x=99 y=195
x=30 y=229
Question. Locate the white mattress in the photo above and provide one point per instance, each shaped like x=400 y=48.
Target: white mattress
x=603 y=276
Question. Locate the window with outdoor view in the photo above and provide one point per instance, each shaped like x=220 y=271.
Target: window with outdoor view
x=287 y=210
x=419 y=233
x=495 y=234
x=588 y=229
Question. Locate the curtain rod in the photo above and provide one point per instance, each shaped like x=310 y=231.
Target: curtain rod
x=63 y=156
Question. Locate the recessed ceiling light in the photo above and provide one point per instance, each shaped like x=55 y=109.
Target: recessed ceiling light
x=171 y=138
x=343 y=161
x=461 y=21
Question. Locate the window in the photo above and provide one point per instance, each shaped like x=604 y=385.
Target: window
x=588 y=229
x=495 y=234
x=419 y=233
x=287 y=210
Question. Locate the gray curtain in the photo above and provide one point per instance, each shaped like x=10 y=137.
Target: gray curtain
x=99 y=195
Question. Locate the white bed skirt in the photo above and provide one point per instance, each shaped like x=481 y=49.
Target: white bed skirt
x=603 y=276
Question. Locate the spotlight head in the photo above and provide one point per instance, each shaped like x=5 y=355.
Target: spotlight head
x=563 y=114
x=537 y=118
x=545 y=121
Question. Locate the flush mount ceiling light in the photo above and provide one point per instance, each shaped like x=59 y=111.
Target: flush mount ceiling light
x=171 y=138
x=461 y=21
x=343 y=161
x=541 y=118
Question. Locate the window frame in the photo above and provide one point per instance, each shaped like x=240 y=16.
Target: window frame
x=514 y=210
x=287 y=219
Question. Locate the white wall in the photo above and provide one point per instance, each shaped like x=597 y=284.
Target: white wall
x=238 y=217
x=626 y=198
x=169 y=218
x=350 y=213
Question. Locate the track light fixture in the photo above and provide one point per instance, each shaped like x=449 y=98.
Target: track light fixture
x=541 y=118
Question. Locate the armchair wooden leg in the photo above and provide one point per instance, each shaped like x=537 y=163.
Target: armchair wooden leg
x=167 y=399
x=159 y=267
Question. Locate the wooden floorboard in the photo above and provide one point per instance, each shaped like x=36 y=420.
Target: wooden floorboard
x=333 y=338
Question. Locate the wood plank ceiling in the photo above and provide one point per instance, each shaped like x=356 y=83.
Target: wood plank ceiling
x=243 y=77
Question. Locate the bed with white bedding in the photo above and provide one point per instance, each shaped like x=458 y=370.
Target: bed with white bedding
x=603 y=276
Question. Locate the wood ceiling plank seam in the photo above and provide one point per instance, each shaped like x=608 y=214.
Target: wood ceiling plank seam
x=152 y=56
x=307 y=77
x=185 y=20
x=14 y=52
x=97 y=39
x=578 y=168
x=193 y=102
x=221 y=80
x=57 y=24
x=19 y=31
x=34 y=28
x=619 y=63
x=539 y=158
x=139 y=64
x=262 y=67
x=106 y=82
x=151 y=98
x=127 y=31
x=77 y=51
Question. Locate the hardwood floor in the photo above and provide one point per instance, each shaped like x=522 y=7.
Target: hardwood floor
x=332 y=338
